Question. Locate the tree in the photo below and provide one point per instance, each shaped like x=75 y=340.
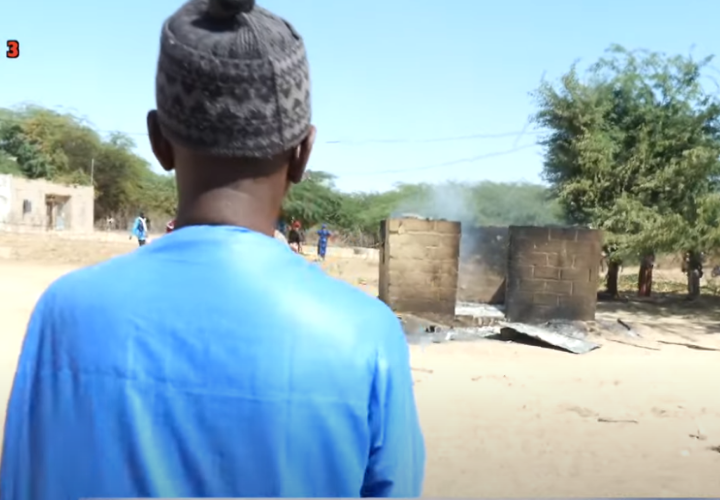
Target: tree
x=312 y=201
x=36 y=142
x=40 y=143
x=518 y=203
x=632 y=148
x=24 y=152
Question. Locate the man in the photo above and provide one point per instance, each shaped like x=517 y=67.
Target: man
x=140 y=229
x=693 y=267
x=295 y=237
x=229 y=385
x=323 y=236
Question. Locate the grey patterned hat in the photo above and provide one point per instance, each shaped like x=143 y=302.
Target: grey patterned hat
x=232 y=80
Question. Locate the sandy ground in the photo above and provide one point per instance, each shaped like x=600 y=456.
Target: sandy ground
x=638 y=417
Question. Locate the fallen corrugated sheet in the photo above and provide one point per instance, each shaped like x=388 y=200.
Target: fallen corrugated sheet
x=515 y=331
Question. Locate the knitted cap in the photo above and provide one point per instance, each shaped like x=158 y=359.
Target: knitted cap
x=232 y=80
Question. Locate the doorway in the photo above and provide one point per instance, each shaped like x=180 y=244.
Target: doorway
x=55 y=208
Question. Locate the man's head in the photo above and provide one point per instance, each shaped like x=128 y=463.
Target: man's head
x=233 y=111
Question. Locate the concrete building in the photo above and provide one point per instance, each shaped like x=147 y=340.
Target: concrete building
x=38 y=205
x=419 y=265
x=538 y=273
x=552 y=273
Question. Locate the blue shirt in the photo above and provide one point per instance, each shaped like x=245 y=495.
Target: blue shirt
x=139 y=229
x=323 y=235
x=213 y=363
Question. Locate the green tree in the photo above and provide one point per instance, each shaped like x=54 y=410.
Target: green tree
x=314 y=200
x=120 y=179
x=519 y=204
x=39 y=143
x=632 y=148
x=9 y=165
x=27 y=154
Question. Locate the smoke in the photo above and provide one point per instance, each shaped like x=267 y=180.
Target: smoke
x=442 y=201
x=448 y=201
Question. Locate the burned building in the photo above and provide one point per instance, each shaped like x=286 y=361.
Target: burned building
x=536 y=273
x=483 y=264
x=419 y=265
x=552 y=273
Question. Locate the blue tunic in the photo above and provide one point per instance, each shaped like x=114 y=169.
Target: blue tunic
x=139 y=229
x=211 y=364
x=323 y=235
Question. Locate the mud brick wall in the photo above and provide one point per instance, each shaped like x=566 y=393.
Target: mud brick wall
x=552 y=274
x=483 y=264
x=419 y=265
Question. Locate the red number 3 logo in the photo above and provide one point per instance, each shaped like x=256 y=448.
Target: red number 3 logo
x=13 y=49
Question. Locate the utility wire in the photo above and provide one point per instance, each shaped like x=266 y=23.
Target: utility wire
x=500 y=135
x=471 y=159
x=519 y=134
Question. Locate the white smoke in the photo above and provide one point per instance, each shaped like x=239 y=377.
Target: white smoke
x=447 y=201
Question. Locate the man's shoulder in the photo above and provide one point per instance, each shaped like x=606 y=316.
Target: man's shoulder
x=94 y=281
x=343 y=302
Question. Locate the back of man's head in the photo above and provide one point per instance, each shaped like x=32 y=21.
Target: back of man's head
x=232 y=81
x=233 y=112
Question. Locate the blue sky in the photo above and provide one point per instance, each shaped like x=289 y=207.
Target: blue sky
x=403 y=70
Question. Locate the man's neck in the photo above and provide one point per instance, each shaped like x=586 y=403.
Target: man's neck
x=228 y=208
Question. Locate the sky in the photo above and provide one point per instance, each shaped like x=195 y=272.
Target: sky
x=403 y=90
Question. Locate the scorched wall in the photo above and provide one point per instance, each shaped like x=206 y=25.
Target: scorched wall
x=419 y=265
x=483 y=264
x=553 y=273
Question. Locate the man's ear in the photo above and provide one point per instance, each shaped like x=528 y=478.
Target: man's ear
x=301 y=156
x=161 y=147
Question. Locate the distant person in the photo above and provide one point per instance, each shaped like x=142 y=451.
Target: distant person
x=229 y=385
x=295 y=237
x=323 y=236
x=693 y=267
x=281 y=226
x=140 y=229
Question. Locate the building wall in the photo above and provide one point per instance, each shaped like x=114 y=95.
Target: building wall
x=419 y=265
x=5 y=197
x=553 y=273
x=17 y=195
x=483 y=264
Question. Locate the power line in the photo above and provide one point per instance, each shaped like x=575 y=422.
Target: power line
x=440 y=165
x=500 y=135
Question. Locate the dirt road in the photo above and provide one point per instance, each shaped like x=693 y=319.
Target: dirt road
x=504 y=419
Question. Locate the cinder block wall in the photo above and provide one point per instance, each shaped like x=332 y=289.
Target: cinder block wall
x=483 y=264
x=419 y=265
x=552 y=273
